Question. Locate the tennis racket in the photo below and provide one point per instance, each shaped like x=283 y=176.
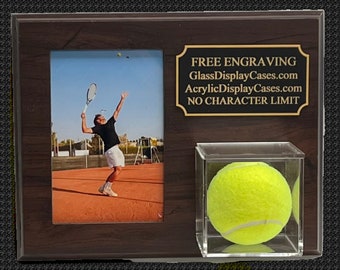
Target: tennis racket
x=91 y=93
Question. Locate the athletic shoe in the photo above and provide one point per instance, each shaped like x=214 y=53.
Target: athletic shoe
x=101 y=189
x=108 y=191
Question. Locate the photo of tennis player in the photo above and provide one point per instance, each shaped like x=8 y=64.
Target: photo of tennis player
x=114 y=156
x=107 y=136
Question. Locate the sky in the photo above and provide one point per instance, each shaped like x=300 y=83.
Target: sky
x=138 y=72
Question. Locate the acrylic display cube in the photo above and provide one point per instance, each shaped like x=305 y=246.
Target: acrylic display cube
x=287 y=159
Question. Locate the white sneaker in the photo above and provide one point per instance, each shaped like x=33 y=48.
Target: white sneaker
x=109 y=192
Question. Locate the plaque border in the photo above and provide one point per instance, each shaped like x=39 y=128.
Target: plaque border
x=37 y=238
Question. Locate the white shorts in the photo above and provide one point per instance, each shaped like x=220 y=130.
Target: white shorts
x=115 y=157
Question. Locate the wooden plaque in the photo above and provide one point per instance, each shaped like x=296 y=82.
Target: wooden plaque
x=180 y=37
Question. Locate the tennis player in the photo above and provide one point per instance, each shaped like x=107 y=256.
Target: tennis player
x=114 y=156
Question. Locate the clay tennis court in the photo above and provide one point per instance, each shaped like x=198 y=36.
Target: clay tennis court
x=76 y=198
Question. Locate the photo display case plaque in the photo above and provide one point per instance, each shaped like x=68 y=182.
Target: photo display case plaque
x=168 y=137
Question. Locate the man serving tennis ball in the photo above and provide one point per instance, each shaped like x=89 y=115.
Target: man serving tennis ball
x=114 y=156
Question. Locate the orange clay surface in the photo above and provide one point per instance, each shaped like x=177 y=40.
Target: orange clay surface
x=76 y=198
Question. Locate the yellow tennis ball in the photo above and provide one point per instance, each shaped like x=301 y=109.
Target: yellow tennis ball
x=249 y=203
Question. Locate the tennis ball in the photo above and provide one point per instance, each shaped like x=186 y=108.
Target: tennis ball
x=248 y=203
x=296 y=200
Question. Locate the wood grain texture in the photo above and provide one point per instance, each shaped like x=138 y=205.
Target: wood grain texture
x=36 y=35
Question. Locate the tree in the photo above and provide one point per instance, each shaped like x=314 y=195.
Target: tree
x=97 y=145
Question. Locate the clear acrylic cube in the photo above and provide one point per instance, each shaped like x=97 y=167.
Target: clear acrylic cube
x=286 y=158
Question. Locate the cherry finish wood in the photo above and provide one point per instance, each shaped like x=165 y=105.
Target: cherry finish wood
x=34 y=36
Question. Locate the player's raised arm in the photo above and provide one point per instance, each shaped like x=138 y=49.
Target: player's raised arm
x=84 y=127
x=123 y=96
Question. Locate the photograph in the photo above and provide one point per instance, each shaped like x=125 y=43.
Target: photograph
x=107 y=136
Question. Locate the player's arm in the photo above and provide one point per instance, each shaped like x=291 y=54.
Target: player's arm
x=123 y=96
x=84 y=127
